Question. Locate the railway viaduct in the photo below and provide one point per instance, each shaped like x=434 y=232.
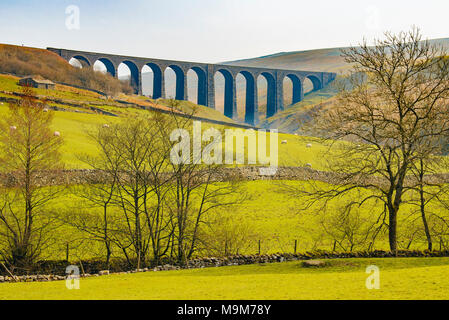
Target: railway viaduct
x=205 y=73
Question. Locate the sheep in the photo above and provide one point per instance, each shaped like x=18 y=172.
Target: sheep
x=12 y=127
x=45 y=110
x=309 y=165
x=105 y=125
x=284 y=142
x=309 y=145
x=57 y=134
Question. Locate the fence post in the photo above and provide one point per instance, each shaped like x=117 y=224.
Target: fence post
x=259 y=247
x=296 y=243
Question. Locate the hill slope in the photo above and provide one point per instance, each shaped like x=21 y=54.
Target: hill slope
x=326 y=60
x=79 y=110
x=25 y=61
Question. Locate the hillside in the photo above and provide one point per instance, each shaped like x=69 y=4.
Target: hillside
x=26 y=61
x=79 y=110
x=325 y=60
x=18 y=61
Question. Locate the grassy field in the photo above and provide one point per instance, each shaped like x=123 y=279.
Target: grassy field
x=276 y=226
x=268 y=214
x=400 y=278
x=75 y=125
x=74 y=128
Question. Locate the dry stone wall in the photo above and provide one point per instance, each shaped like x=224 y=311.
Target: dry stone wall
x=55 y=270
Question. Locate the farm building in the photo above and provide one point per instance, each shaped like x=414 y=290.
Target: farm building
x=37 y=82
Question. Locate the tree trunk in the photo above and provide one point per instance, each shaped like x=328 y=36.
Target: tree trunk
x=423 y=208
x=392 y=230
x=424 y=220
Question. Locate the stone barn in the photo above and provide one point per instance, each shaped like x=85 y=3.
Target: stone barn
x=36 y=82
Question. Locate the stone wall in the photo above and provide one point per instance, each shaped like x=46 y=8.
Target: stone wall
x=82 y=176
x=55 y=270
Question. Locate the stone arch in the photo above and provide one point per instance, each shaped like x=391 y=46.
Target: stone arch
x=110 y=67
x=201 y=85
x=229 y=93
x=82 y=60
x=317 y=85
x=251 y=112
x=296 y=88
x=158 y=86
x=135 y=75
x=180 y=81
x=271 y=93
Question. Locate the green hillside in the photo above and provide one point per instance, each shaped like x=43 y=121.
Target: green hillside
x=74 y=118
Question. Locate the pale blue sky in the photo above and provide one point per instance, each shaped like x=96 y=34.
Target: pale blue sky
x=214 y=30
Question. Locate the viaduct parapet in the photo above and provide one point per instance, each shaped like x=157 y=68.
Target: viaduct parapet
x=205 y=73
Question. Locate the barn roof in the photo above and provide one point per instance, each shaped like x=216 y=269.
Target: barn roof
x=38 y=79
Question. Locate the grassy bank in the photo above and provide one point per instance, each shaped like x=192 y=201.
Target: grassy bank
x=400 y=278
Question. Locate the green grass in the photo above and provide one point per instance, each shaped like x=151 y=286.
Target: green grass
x=74 y=128
x=75 y=125
x=400 y=278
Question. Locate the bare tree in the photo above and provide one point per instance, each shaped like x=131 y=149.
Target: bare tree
x=198 y=189
x=133 y=163
x=126 y=147
x=396 y=103
x=152 y=207
x=29 y=149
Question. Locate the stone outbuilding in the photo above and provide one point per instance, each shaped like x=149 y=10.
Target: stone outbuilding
x=36 y=82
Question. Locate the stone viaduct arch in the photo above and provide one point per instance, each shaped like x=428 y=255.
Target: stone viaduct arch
x=317 y=84
x=110 y=67
x=251 y=105
x=201 y=73
x=181 y=82
x=205 y=74
x=158 y=82
x=83 y=60
x=297 y=87
x=271 y=93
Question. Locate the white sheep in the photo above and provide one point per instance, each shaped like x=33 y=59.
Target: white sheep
x=309 y=165
x=57 y=134
x=12 y=127
x=105 y=125
x=284 y=142
x=309 y=145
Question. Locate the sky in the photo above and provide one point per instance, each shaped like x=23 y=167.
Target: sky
x=212 y=30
